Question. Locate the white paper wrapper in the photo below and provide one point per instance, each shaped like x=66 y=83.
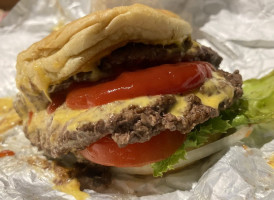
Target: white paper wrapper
x=241 y=31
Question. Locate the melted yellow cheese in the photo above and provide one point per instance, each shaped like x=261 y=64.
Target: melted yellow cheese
x=217 y=90
x=64 y=114
x=72 y=188
x=75 y=118
x=5 y=105
x=8 y=116
x=179 y=107
x=105 y=111
x=215 y=94
x=212 y=101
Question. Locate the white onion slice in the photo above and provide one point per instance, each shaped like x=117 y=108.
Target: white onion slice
x=192 y=155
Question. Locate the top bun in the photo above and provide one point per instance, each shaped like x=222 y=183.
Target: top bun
x=79 y=46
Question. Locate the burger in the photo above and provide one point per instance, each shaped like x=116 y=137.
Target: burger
x=128 y=88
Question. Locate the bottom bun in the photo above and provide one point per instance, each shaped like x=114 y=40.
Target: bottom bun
x=193 y=155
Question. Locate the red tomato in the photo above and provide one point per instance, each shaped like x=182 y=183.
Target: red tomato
x=59 y=97
x=163 y=79
x=106 y=151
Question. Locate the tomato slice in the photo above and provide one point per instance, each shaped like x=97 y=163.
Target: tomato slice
x=106 y=151
x=163 y=79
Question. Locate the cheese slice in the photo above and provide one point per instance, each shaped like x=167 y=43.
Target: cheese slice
x=215 y=94
x=219 y=91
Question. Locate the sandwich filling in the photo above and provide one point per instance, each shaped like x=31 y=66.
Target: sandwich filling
x=137 y=97
x=127 y=87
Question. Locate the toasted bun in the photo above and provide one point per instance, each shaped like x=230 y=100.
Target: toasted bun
x=193 y=155
x=79 y=46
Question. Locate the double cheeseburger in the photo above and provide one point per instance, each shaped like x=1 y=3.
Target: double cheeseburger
x=121 y=88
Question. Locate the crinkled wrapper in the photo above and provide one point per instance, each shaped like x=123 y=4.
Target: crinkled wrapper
x=240 y=31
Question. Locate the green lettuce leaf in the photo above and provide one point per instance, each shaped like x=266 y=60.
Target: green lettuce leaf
x=255 y=107
x=259 y=95
x=195 y=138
x=165 y=165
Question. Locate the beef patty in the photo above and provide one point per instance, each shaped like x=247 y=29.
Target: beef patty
x=133 y=124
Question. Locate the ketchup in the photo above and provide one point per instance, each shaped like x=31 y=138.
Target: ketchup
x=6 y=153
x=30 y=117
